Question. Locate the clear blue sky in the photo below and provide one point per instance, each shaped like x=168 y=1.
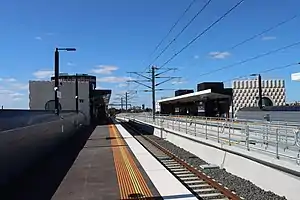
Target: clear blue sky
x=116 y=36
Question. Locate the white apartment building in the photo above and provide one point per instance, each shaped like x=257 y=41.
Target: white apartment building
x=42 y=94
x=245 y=93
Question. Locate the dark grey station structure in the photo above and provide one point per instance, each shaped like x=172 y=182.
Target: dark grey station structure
x=210 y=100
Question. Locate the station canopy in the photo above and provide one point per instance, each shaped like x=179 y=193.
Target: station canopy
x=197 y=96
x=101 y=97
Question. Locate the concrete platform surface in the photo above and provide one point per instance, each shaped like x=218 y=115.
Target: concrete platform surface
x=105 y=169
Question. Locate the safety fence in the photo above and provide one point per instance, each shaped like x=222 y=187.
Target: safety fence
x=278 y=139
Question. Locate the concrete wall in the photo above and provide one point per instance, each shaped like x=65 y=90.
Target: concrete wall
x=263 y=176
x=20 y=148
x=40 y=92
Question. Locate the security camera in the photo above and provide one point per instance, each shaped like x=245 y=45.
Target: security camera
x=55 y=88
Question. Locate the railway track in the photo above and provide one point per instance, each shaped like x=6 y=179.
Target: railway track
x=201 y=185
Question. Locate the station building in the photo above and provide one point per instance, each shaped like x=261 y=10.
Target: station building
x=210 y=100
x=92 y=102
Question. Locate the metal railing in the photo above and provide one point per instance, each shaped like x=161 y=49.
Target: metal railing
x=280 y=140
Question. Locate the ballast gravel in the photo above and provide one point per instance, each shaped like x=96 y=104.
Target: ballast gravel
x=244 y=188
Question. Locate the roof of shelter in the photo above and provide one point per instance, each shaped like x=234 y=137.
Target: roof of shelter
x=196 y=96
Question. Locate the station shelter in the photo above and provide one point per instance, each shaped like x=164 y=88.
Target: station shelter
x=211 y=100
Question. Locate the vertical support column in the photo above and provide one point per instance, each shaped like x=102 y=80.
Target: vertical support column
x=218 y=132
x=195 y=127
x=56 y=84
x=161 y=128
x=247 y=137
x=259 y=92
x=286 y=136
x=232 y=108
x=206 y=128
x=153 y=91
x=121 y=104
x=186 y=128
x=173 y=123
x=126 y=101
x=76 y=93
x=229 y=134
x=277 y=143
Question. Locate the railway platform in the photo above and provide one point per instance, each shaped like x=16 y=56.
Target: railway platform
x=112 y=165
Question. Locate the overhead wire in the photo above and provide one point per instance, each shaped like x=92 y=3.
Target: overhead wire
x=182 y=30
x=264 y=71
x=168 y=33
x=173 y=27
x=262 y=32
x=252 y=58
x=202 y=33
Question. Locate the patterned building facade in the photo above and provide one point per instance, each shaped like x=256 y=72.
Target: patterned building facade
x=245 y=93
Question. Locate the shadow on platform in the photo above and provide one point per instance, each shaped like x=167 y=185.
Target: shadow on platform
x=41 y=181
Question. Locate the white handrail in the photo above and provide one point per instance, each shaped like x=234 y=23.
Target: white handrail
x=245 y=135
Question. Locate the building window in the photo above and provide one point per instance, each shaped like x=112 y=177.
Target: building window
x=81 y=100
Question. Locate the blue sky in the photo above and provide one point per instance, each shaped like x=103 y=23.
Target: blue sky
x=113 y=37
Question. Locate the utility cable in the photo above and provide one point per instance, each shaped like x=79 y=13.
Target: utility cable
x=264 y=71
x=182 y=30
x=252 y=58
x=202 y=33
x=262 y=33
x=170 y=30
x=173 y=27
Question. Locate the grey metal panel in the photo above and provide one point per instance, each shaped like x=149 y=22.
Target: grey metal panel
x=10 y=119
x=287 y=116
x=21 y=147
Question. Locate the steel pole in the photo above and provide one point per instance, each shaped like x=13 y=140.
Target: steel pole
x=56 y=76
x=232 y=107
x=76 y=93
x=259 y=92
x=153 y=92
x=126 y=100
x=121 y=104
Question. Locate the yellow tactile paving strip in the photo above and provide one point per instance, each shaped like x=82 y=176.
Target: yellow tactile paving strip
x=130 y=180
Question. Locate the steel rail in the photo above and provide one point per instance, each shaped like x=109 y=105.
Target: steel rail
x=225 y=191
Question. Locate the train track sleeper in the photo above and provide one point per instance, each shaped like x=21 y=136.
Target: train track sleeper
x=180 y=172
x=186 y=175
x=190 y=178
x=197 y=181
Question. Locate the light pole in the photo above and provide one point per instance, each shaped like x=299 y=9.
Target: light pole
x=76 y=92
x=260 y=103
x=56 y=74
